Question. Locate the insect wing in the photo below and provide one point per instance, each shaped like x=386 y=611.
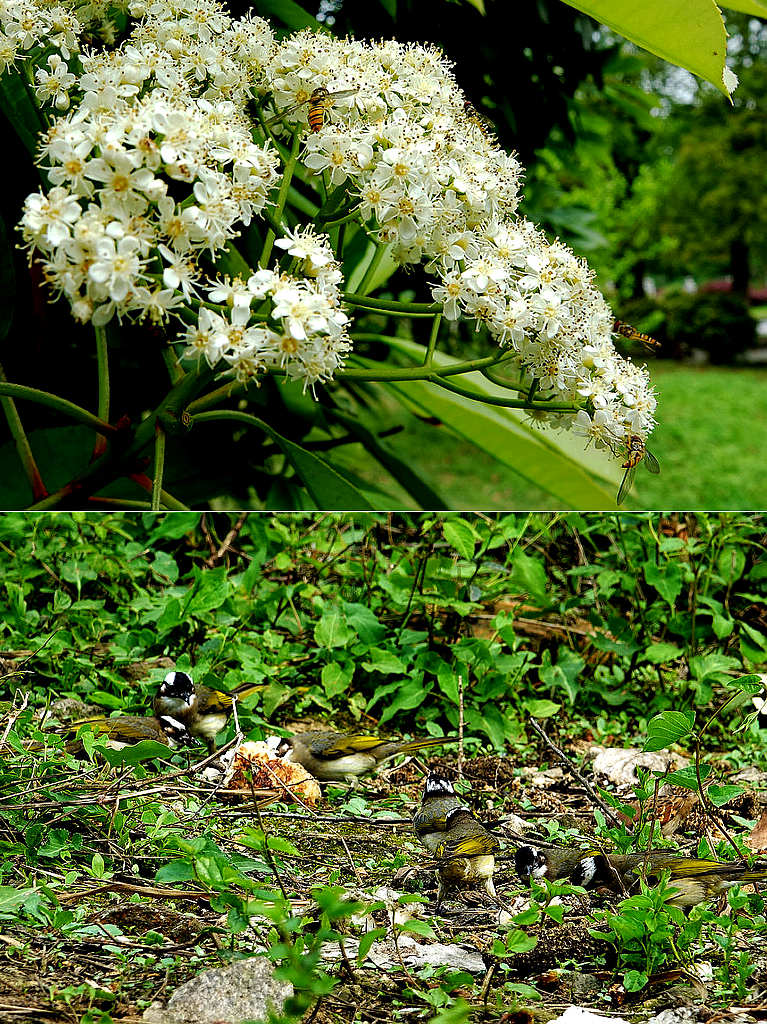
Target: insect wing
x=651 y=462
x=341 y=94
x=290 y=109
x=626 y=484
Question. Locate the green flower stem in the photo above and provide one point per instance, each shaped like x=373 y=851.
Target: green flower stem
x=495 y=379
x=173 y=365
x=66 y=408
x=389 y=306
x=371 y=270
x=287 y=175
x=507 y=403
x=159 y=467
x=23 y=447
x=102 y=358
x=231 y=389
x=325 y=224
x=415 y=372
x=432 y=340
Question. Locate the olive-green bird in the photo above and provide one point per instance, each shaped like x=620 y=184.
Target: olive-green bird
x=464 y=849
x=338 y=756
x=203 y=710
x=125 y=730
x=695 y=879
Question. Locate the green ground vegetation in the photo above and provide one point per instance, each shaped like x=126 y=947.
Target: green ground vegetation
x=123 y=873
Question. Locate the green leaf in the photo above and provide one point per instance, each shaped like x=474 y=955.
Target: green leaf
x=20 y=110
x=11 y=899
x=331 y=631
x=135 y=753
x=666 y=728
x=720 y=795
x=691 y=35
x=409 y=695
x=336 y=678
x=367 y=941
x=541 y=708
x=633 y=981
x=518 y=941
x=326 y=485
x=528 y=576
x=291 y=14
x=666 y=578
x=686 y=777
x=460 y=536
x=751 y=684
x=176 y=871
x=417 y=928
x=558 y=464
x=661 y=653
x=209 y=591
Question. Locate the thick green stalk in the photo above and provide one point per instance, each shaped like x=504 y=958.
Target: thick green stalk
x=159 y=467
x=507 y=403
x=389 y=305
x=287 y=175
x=415 y=372
x=23 y=446
x=102 y=358
x=66 y=408
x=432 y=340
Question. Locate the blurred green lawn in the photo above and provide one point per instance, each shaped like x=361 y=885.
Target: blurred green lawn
x=711 y=442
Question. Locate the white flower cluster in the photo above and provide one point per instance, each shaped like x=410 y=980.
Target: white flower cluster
x=152 y=174
x=431 y=181
x=157 y=166
x=26 y=25
x=311 y=340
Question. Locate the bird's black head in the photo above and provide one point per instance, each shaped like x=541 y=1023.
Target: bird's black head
x=176 y=731
x=438 y=785
x=177 y=686
x=530 y=862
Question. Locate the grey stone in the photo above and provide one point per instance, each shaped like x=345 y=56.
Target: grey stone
x=245 y=990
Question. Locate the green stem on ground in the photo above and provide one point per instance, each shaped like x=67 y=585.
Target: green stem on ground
x=159 y=467
x=102 y=358
x=282 y=197
x=21 y=441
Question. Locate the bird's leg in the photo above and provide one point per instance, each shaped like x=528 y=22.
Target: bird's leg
x=440 y=895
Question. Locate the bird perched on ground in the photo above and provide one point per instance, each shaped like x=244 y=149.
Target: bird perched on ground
x=124 y=730
x=338 y=756
x=696 y=879
x=203 y=710
x=464 y=849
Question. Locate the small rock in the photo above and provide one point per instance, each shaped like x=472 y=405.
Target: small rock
x=679 y=1015
x=245 y=990
x=585 y=986
x=577 y=1015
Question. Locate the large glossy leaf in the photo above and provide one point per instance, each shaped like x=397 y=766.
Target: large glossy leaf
x=747 y=7
x=547 y=460
x=20 y=110
x=689 y=33
x=329 y=488
x=289 y=13
x=7 y=283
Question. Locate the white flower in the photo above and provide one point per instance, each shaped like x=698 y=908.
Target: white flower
x=117 y=266
x=53 y=86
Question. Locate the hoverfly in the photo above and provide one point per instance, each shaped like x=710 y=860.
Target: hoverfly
x=319 y=102
x=484 y=124
x=635 y=452
x=627 y=331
